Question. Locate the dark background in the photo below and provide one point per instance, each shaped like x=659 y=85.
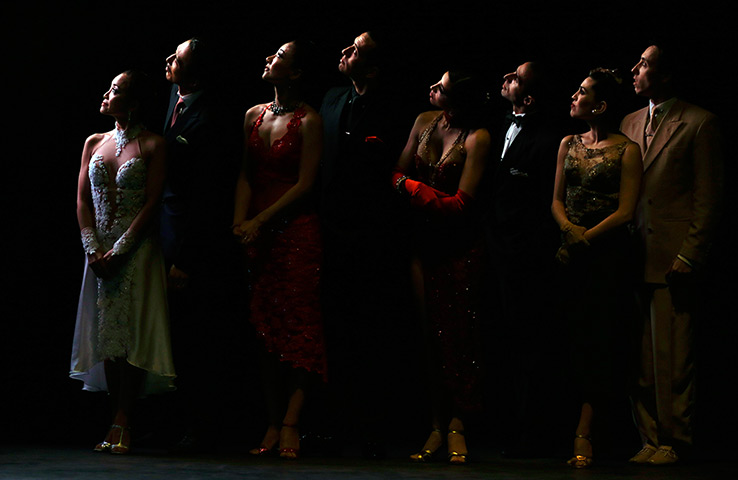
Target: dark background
x=60 y=59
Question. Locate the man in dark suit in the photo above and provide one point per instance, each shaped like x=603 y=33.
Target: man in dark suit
x=365 y=278
x=523 y=241
x=676 y=217
x=203 y=154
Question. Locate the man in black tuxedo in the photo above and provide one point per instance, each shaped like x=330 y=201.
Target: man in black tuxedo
x=523 y=241
x=203 y=155
x=365 y=278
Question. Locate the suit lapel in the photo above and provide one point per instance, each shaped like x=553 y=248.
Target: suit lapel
x=669 y=125
x=519 y=142
x=332 y=131
x=635 y=130
x=187 y=118
x=173 y=98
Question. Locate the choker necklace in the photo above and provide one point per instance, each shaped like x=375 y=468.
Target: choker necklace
x=281 y=109
x=122 y=137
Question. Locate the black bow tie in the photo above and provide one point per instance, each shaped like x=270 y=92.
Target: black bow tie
x=518 y=120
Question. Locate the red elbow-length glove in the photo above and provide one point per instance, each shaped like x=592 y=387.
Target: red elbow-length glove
x=428 y=198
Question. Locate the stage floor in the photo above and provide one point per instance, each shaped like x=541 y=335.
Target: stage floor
x=34 y=462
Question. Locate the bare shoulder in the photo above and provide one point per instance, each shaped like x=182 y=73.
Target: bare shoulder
x=480 y=136
x=151 y=142
x=423 y=120
x=94 y=141
x=312 y=118
x=567 y=140
x=618 y=138
x=426 y=118
x=253 y=113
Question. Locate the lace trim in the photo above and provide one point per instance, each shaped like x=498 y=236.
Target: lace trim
x=89 y=240
x=122 y=137
x=114 y=298
x=124 y=244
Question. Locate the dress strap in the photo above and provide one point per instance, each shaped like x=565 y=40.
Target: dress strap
x=425 y=136
x=260 y=119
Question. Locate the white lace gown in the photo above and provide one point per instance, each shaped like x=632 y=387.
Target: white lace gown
x=124 y=316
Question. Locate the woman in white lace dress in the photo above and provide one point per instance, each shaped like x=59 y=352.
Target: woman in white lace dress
x=121 y=338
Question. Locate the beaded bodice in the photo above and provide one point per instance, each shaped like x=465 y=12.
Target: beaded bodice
x=444 y=174
x=592 y=181
x=117 y=198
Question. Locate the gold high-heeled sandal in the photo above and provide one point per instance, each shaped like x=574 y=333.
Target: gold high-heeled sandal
x=288 y=452
x=121 y=448
x=105 y=446
x=454 y=457
x=266 y=451
x=426 y=455
x=581 y=461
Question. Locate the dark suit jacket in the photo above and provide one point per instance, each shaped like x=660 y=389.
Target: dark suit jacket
x=356 y=195
x=681 y=188
x=520 y=220
x=203 y=155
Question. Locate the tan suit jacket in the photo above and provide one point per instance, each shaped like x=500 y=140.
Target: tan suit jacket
x=681 y=188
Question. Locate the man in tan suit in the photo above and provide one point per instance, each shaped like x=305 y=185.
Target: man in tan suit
x=676 y=218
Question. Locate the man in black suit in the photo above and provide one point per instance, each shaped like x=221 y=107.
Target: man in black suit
x=523 y=242
x=203 y=154
x=364 y=273
x=200 y=171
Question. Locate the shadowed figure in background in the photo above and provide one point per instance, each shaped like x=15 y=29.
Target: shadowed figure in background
x=204 y=148
x=364 y=282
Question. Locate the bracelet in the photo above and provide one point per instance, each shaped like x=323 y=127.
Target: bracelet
x=89 y=240
x=399 y=181
x=123 y=244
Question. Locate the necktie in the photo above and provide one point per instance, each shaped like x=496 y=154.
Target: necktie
x=653 y=125
x=177 y=110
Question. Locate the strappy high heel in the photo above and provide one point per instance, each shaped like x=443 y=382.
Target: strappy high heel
x=121 y=448
x=581 y=461
x=426 y=455
x=288 y=452
x=266 y=451
x=105 y=445
x=455 y=457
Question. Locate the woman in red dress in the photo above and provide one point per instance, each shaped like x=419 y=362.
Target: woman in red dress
x=440 y=171
x=274 y=220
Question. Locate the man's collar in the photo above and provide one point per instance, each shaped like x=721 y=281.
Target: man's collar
x=664 y=106
x=190 y=98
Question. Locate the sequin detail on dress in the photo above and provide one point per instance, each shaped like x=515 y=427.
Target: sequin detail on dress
x=284 y=263
x=446 y=172
x=451 y=253
x=116 y=205
x=596 y=286
x=592 y=181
